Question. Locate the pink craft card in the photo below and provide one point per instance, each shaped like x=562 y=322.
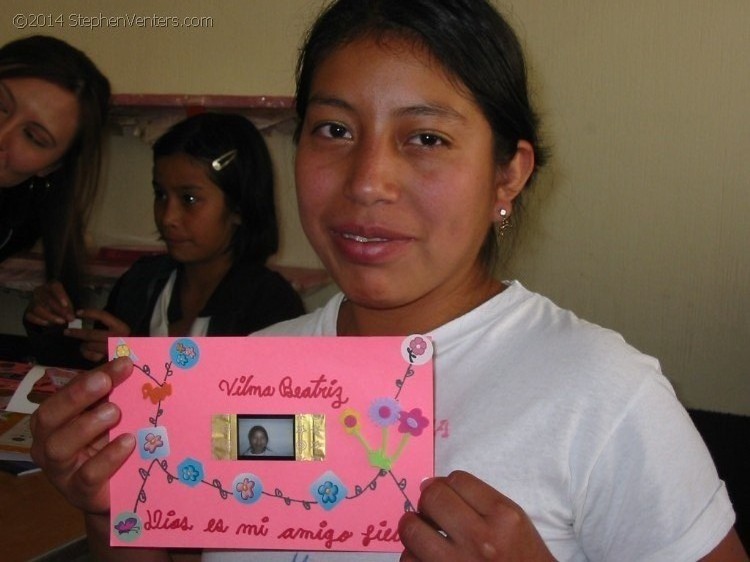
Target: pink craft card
x=346 y=440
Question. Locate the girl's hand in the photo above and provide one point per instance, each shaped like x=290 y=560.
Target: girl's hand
x=462 y=518
x=50 y=304
x=70 y=440
x=94 y=346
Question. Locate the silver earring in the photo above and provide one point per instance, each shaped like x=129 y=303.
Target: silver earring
x=503 y=224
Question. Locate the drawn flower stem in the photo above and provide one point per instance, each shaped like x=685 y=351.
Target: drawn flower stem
x=401 y=446
x=362 y=440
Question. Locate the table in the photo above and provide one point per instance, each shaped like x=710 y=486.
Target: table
x=36 y=520
x=37 y=523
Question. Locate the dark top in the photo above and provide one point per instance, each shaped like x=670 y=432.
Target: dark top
x=250 y=297
x=19 y=218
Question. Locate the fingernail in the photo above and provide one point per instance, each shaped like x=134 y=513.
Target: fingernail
x=121 y=364
x=106 y=412
x=127 y=441
x=425 y=482
x=96 y=383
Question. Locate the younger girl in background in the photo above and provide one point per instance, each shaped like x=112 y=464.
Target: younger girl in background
x=214 y=208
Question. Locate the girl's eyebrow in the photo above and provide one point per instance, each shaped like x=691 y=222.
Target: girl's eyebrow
x=431 y=110
x=426 y=109
x=182 y=186
x=329 y=101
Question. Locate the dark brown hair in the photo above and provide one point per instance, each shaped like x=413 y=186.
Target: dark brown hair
x=66 y=207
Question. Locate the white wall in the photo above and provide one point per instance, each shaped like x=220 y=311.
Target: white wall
x=639 y=224
x=643 y=224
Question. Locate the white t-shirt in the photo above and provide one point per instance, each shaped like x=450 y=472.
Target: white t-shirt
x=159 y=325
x=570 y=422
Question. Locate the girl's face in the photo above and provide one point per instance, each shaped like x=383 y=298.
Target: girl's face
x=190 y=211
x=258 y=442
x=396 y=177
x=38 y=122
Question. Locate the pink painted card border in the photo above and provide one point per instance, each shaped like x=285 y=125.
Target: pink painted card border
x=376 y=395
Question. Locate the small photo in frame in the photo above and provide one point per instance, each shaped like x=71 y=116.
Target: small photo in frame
x=265 y=437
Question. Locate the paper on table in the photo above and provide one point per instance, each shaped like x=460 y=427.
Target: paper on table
x=36 y=386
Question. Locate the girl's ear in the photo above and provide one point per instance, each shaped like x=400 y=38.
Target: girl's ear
x=236 y=219
x=511 y=178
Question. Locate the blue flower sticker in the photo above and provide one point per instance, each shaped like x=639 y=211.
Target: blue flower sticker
x=190 y=472
x=328 y=490
x=185 y=353
x=247 y=488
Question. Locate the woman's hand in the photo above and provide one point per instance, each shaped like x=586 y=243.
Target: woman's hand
x=94 y=346
x=70 y=441
x=462 y=518
x=50 y=304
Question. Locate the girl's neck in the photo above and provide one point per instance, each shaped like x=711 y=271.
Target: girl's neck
x=419 y=317
x=204 y=277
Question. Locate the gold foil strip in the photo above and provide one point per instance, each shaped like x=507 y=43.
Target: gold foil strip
x=310 y=437
x=223 y=439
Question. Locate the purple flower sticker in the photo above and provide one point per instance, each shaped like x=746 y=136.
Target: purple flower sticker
x=384 y=411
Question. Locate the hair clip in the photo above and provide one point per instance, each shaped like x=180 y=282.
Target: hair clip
x=221 y=162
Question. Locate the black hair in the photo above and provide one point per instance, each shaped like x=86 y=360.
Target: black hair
x=469 y=38
x=65 y=210
x=257 y=428
x=247 y=179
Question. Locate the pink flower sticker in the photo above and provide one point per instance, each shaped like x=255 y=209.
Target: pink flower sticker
x=416 y=349
x=413 y=422
x=246 y=488
x=418 y=346
x=153 y=442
